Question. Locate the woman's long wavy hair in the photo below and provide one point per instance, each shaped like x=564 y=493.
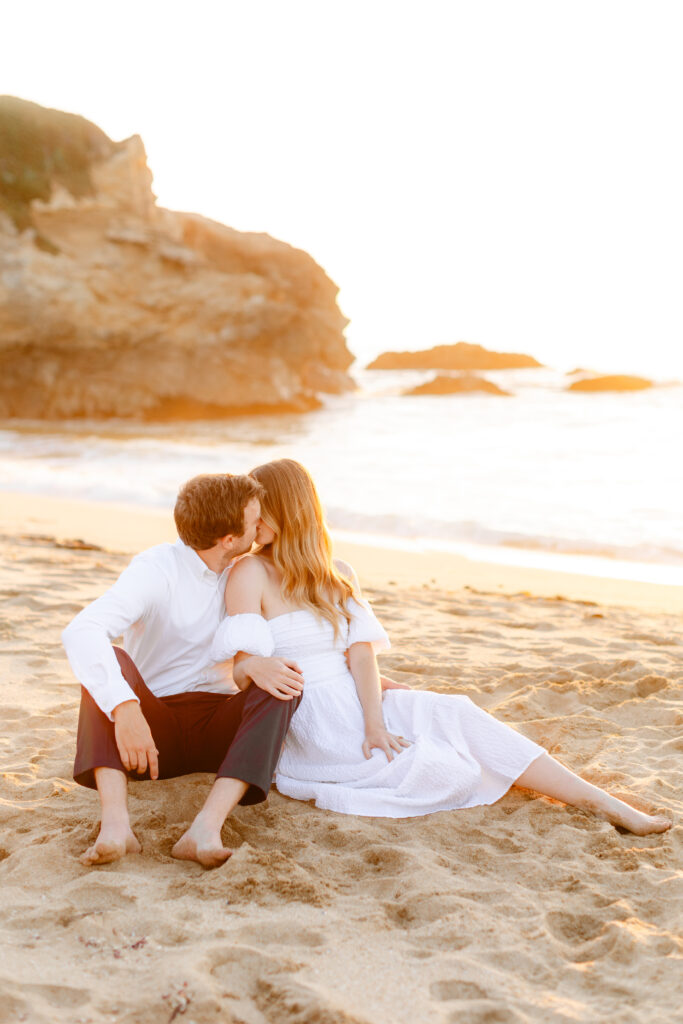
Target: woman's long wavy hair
x=301 y=548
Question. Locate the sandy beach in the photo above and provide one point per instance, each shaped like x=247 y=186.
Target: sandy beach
x=525 y=911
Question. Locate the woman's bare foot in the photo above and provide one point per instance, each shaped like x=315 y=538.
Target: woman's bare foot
x=624 y=816
x=113 y=842
x=548 y=776
x=202 y=844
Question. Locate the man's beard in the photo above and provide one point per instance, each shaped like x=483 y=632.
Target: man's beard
x=242 y=548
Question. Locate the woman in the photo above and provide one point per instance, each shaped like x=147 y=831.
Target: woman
x=350 y=748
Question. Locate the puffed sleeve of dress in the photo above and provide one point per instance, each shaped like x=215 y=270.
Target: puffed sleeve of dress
x=248 y=632
x=365 y=627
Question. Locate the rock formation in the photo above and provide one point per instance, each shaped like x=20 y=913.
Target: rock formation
x=614 y=382
x=466 y=383
x=113 y=307
x=461 y=356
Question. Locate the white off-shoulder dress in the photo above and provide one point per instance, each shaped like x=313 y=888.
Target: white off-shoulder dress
x=459 y=755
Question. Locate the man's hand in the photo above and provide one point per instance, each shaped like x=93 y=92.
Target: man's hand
x=134 y=739
x=391 y=684
x=280 y=677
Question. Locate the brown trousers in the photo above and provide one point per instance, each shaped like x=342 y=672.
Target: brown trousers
x=234 y=737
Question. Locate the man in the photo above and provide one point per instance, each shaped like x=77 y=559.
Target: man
x=168 y=604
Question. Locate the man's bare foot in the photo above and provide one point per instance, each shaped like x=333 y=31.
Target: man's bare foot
x=202 y=844
x=112 y=843
x=641 y=824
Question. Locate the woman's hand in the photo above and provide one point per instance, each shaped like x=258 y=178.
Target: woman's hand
x=391 y=684
x=378 y=737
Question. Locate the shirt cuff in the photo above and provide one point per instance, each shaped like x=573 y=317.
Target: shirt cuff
x=117 y=693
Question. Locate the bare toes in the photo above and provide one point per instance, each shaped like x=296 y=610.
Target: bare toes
x=213 y=858
x=102 y=853
x=647 y=825
x=187 y=849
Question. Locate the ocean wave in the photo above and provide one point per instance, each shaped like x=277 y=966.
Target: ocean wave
x=467 y=532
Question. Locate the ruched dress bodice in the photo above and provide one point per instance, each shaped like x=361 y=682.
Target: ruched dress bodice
x=459 y=755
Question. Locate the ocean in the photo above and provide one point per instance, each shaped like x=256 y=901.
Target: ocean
x=586 y=482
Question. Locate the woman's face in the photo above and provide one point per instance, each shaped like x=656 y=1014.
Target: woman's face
x=264 y=533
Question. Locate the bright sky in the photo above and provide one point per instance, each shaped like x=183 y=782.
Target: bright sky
x=507 y=173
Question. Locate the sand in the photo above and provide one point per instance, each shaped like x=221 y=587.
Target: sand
x=525 y=911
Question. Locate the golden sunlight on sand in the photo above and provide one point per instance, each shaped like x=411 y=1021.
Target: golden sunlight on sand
x=525 y=911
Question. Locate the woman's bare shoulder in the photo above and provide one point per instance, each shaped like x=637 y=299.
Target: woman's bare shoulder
x=248 y=568
x=247 y=582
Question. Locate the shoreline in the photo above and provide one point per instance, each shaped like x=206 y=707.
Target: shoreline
x=128 y=529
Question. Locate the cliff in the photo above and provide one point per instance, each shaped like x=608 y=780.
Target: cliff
x=111 y=306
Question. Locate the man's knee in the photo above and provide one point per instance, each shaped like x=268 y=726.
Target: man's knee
x=128 y=668
x=266 y=702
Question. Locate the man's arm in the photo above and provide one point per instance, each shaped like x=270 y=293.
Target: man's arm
x=87 y=640
x=280 y=677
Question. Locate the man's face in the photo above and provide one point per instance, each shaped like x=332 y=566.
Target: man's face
x=252 y=516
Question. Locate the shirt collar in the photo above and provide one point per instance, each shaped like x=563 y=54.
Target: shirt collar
x=196 y=565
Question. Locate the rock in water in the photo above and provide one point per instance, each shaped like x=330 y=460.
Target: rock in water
x=113 y=307
x=464 y=384
x=461 y=356
x=614 y=382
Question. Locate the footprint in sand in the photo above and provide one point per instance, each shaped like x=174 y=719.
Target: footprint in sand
x=444 y=991
x=574 y=928
x=485 y=1011
x=674 y=744
x=420 y=910
x=231 y=961
x=386 y=859
x=263 y=875
x=14 y=1008
x=336 y=838
x=650 y=684
x=282 y=935
x=253 y=977
x=378 y=870
x=14 y=712
x=93 y=896
x=421 y=954
x=650 y=638
x=500 y=843
x=606 y=848
x=62 y=997
x=281 y=1000
x=449 y=939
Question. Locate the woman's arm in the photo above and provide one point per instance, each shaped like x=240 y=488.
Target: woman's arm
x=386 y=683
x=244 y=592
x=363 y=665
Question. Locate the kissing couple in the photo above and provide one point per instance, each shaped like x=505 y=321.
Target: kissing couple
x=307 y=702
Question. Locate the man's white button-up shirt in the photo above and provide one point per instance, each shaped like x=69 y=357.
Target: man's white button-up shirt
x=167 y=605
